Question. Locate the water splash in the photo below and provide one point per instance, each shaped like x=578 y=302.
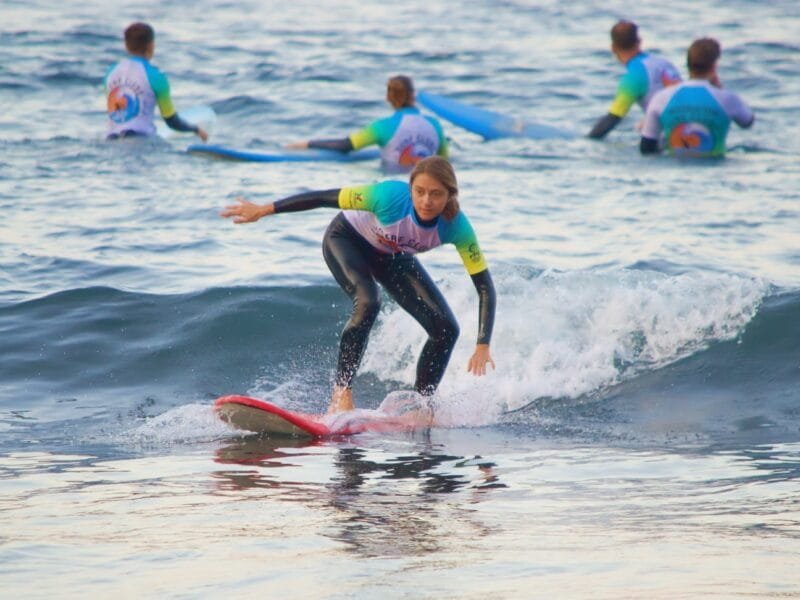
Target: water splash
x=569 y=334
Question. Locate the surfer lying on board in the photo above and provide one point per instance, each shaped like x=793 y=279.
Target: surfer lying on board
x=404 y=138
x=134 y=87
x=373 y=240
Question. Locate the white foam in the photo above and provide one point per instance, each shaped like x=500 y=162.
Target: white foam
x=568 y=334
x=295 y=391
x=187 y=423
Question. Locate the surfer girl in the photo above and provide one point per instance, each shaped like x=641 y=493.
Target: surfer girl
x=373 y=241
x=405 y=138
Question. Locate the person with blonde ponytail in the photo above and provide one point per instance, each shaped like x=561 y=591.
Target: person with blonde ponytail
x=405 y=138
x=373 y=241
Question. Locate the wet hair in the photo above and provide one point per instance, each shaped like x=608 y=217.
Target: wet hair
x=442 y=171
x=625 y=35
x=138 y=36
x=702 y=56
x=400 y=91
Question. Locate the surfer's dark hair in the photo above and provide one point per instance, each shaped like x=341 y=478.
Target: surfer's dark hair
x=138 y=36
x=702 y=56
x=400 y=91
x=442 y=171
x=625 y=35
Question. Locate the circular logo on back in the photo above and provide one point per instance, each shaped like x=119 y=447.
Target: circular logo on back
x=123 y=105
x=691 y=138
x=412 y=154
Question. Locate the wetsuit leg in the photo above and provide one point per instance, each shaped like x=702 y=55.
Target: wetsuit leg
x=347 y=256
x=405 y=279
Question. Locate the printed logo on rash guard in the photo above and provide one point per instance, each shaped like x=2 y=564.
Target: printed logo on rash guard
x=398 y=243
x=669 y=77
x=123 y=104
x=691 y=138
x=474 y=253
x=393 y=246
x=414 y=150
x=409 y=156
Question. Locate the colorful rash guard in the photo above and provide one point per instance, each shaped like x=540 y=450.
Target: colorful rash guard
x=405 y=138
x=134 y=87
x=646 y=75
x=383 y=214
x=695 y=117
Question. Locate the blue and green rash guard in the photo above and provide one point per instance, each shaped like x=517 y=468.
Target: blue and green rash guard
x=695 y=117
x=646 y=75
x=133 y=88
x=383 y=214
x=405 y=138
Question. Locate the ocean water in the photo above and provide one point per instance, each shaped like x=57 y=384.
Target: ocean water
x=640 y=436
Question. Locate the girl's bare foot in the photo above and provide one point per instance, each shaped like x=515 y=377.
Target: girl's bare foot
x=341 y=400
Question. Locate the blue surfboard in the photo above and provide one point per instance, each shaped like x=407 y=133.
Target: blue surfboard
x=486 y=123
x=225 y=153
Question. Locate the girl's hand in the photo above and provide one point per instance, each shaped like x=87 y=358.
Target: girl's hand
x=246 y=211
x=479 y=359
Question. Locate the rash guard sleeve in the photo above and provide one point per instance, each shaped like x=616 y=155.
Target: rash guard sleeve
x=160 y=85
x=487 y=302
x=632 y=86
x=444 y=144
x=376 y=133
x=175 y=122
x=462 y=235
x=339 y=145
x=308 y=201
x=603 y=126
x=648 y=146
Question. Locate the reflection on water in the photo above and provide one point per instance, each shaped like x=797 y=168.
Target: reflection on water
x=770 y=464
x=247 y=517
x=383 y=504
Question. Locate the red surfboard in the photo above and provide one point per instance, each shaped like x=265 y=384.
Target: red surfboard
x=266 y=418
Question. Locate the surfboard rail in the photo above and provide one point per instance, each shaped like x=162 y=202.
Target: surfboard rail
x=265 y=418
x=488 y=124
x=259 y=416
x=268 y=156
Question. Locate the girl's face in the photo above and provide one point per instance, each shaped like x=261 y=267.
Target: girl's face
x=429 y=196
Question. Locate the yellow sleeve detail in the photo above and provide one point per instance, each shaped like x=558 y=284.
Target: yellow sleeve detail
x=444 y=148
x=621 y=105
x=362 y=139
x=472 y=257
x=354 y=198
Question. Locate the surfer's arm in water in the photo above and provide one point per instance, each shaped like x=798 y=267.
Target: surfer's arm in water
x=249 y=212
x=175 y=122
x=632 y=86
x=604 y=125
x=651 y=127
x=648 y=145
x=160 y=85
x=340 y=145
x=376 y=133
x=343 y=145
